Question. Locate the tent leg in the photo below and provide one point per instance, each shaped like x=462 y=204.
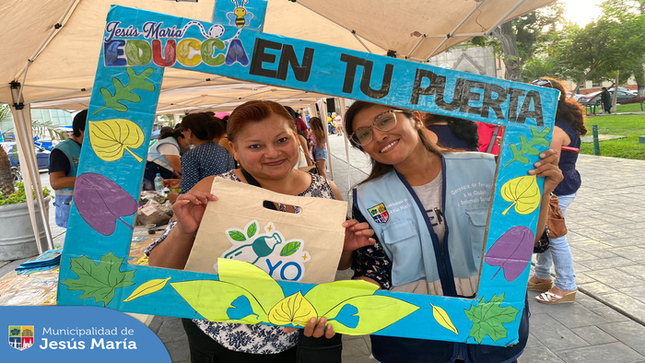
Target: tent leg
x=22 y=126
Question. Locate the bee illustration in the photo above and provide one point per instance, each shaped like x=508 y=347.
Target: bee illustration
x=239 y=17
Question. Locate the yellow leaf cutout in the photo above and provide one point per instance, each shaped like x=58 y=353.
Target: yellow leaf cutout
x=294 y=309
x=524 y=192
x=110 y=139
x=443 y=319
x=147 y=288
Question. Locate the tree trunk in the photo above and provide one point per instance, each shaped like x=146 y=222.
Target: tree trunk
x=6 y=179
x=511 y=55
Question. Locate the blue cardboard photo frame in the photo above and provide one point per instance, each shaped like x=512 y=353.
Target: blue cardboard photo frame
x=136 y=48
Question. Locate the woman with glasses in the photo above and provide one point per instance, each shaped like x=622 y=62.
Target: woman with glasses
x=569 y=126
x=411 y=200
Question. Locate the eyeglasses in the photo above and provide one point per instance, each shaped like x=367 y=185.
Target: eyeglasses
x=542 y=82
x=383 y=122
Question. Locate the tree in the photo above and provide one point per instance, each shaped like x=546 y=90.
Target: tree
x=612 y=43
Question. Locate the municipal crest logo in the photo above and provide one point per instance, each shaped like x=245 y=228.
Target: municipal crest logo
x=21 y=337
x=379 y=213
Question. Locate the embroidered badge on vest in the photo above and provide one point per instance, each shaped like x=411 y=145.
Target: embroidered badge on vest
x=379 y=213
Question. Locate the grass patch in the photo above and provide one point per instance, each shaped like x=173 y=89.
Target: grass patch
x=631 y=126
x=630 y=107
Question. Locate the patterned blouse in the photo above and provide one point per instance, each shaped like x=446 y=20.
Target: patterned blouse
x=254 y=339
x=204 y=160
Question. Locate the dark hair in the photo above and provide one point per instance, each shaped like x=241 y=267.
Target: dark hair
x=292 y=112
x=204 y=126
x=317 y=128
x=165 y=132
x=78 y=125
x=255 y=111
x=379 y=169
x=465 y=130
x=568 y=108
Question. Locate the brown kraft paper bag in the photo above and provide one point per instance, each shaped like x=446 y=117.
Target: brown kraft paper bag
x=303 y=247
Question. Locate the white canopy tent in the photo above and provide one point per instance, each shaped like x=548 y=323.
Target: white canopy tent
x=51 y=49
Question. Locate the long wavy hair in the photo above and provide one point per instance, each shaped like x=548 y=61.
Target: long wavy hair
x=568 y=108
x=379 y=169
x=319 y=132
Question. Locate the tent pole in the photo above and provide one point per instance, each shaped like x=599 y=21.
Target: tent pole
x=28 y=155
x=341 y=112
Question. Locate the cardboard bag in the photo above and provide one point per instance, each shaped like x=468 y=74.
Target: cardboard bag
x=304 y=247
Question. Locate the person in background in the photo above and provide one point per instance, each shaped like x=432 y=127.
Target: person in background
x=207 y=157
x=490 y=137
x=304 y=158
x=164 y=157
x=420 y=178
x=318 y=145
x=63 y=164
x=182 y=149
x=605 y=99
x=569 y=126
x=451 y=132
x=224 y=141
x=264 y=141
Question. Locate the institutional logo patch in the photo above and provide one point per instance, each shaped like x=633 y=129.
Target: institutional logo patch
x=21 y=337
x=379 y=213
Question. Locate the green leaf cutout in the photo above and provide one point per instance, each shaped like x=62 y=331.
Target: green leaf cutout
x=251 y=278
x=488 y=318
x=212 y=299
x=98 y=281
x=253 y=228
x=237 y=235
x=538 y=138
x=123 y=93
x=290 y=248
x=382 y=310
x=325 y=297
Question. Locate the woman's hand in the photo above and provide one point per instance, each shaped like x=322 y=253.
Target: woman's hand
x=357 y=235
x=189 y=209
x=548 y=168
x=316 y=330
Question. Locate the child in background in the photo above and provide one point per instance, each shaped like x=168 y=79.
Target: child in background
x=318 y=145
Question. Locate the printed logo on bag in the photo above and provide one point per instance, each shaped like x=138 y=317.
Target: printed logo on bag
x=270 y=251
x=379 y=213
x=21 y=337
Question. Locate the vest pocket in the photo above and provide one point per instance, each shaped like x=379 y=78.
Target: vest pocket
x=477 y=228
x=402 y=245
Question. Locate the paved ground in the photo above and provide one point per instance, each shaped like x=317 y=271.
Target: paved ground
x=606 y=224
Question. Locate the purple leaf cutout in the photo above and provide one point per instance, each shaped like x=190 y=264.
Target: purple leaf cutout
x=511 y=252
x=100 y=202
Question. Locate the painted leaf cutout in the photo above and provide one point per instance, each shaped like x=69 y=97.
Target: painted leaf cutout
x=147 y=288
x=237 y=235
x=512 y=252
x=382 y=310
x=524 y=192
x=213 y=299
x=538 y=138
x=253 y=228
x=488 y=318
x=101 y=202
x=290 y=248
x=123 y=93
x=294 y=309
x=98 y=280
x=443 y=319
x=253 y=279
x=241 y=309
x=110 y=139
x=327 y=296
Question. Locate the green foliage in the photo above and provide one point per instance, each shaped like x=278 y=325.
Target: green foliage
x=98 y=281
x=253 y=228
x=20 y=196
x=290 y=248
x=126 y=93
x=237 y=235
x=488 y=318
x=529 y=147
